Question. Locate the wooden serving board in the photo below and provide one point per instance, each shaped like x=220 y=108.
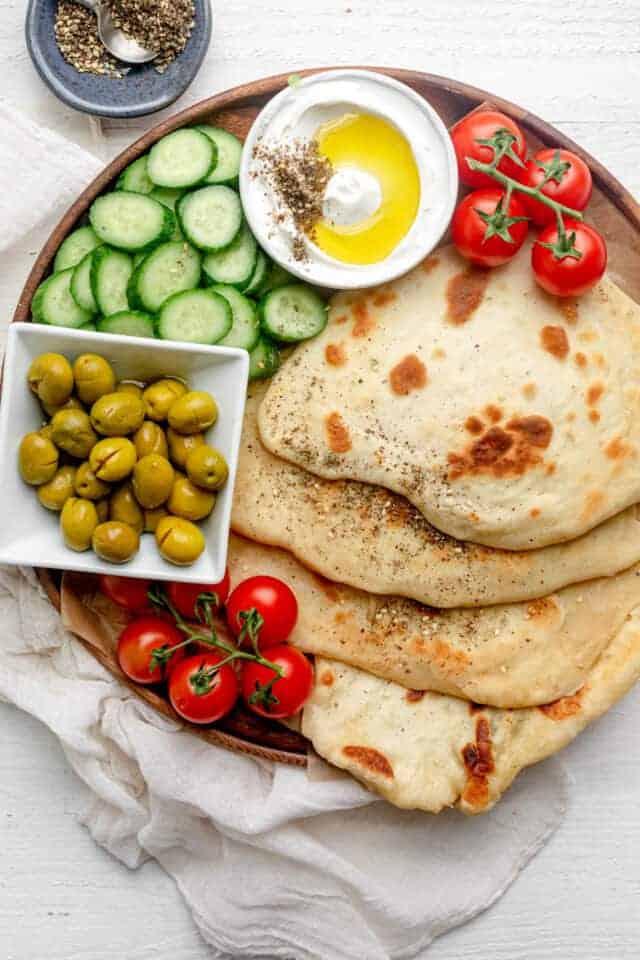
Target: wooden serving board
x=612 y=209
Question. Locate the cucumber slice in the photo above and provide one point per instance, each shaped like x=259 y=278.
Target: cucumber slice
x=277 y=276
x=227 y=168
x=134 y=177
x=195 y=316
x=170 y=268
x=110 y=273
x=75 y=248
x=128 y=323
x=245 y=326
x=91 y=327
x=292 y=313
x=259 y=275
x=168 y=196
x=131 y=221
x=53 y=304
x=81 y=285
x=211 y=217
x=181 y=159
x=264 y=359
x=236 y=264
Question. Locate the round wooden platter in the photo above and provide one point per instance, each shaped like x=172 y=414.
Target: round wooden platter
x=612 y=209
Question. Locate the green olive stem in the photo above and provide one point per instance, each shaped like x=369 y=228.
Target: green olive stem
x=534 y=192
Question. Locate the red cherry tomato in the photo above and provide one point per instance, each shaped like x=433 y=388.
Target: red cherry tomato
x=200 y=693
x=137 y=642
x=273 y=600
x=287 y=694
x=569 y=182
x=126 y=591
x=483 y=125
x=569 y=276
x=480 y=229
x=184 y=596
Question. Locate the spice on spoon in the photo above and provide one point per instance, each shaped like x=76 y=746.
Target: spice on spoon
x=298 y=174
x=76 y=32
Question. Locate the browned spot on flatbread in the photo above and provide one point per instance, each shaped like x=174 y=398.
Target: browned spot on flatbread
x=341 y=617
x=594 y=416
x=328 y=587
x=617 y=449
x=414 y=696
x=550 y=469
x=384 y=297
x=430 y=263
x=504 y=452
x=327 y=678
x=565 y=707
x=529 y=391
x=594 y=393
x=479 y=764
x=493 y=413
x=599 y=360
x=580 y=359
x=335 y=354
x=555 y=341
x=592 y=503
x=407 y=375
x=338 y=436
x=464 y=294
x=474 y=425
x=568 y=308
x=342 y=318
x=534 y=513
x=570 y=417
x=364 y=322
x=542 y=607
x=475 y=707
x=372 y=760
x=438 y=353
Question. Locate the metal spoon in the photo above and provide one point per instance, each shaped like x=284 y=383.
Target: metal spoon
x=118 y=43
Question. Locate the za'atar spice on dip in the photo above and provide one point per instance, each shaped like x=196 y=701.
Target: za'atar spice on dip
x=348 y=178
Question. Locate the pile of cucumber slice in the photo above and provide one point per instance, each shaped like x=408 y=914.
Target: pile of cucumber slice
x=169 y=254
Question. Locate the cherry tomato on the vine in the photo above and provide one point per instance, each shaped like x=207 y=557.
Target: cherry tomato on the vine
x=200 y=691
x=574 y=272
x=484 y=231
x=184 y=596
x=281 y=697
x=275 y=603
x=137 y=643
x=568 y=180
x=127 y=592
x=487 y=125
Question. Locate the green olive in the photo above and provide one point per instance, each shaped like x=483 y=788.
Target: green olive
x=102 y=509
x=179 y=446
x=54 y=494
x=179 y=541
x=50 y=377
x=152 y=518
x=78 y=520
x=117 y=414
x=194 y=412
x=94 y=377
x=188 y=501
x=159 y=396
x=153 y=478
x=73 y=433
x=88 y=485
x=150 y=438
x=71 y=404
x=113 y=459
x=124 y=507
x=37 y=459
x=115 y=541
x=127 y=386
x=207 y=468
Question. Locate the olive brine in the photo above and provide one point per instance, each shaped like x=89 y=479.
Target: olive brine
x=117 y=460
x=169 y=254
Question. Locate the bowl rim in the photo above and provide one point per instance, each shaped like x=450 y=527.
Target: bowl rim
x=126 y=111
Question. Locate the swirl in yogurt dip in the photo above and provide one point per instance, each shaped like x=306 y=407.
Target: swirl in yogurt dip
x=393 y=182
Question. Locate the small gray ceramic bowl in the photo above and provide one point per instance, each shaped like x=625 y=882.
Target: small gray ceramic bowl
x=143 y=90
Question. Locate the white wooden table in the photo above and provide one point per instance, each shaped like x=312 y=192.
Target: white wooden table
x=577 y=65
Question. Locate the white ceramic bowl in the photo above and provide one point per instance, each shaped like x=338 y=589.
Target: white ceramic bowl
x=29 y=534
x=295 y=113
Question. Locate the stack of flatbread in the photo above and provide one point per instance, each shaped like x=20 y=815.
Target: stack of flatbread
x=447 y=477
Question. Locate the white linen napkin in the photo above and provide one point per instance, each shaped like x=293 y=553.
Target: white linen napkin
x=273 y=861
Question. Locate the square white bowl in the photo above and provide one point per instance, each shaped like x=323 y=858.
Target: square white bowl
x=30 y=534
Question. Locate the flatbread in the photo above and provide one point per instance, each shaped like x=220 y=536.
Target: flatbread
x=377 y=541
x=507 y=417
x=429 y=752
x=513 y=655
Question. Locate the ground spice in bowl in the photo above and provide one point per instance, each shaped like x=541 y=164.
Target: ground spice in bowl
x=162 y=25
